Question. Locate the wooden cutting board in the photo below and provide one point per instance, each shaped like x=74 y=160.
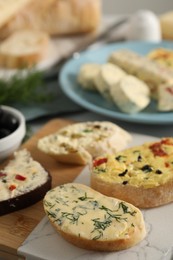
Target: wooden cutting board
x=15 y=227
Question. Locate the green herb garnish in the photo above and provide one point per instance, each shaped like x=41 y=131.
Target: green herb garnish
x=24 y=89
x=84 y=197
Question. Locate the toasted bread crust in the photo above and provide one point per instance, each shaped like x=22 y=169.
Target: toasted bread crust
x=134 y=236
x=138 y=196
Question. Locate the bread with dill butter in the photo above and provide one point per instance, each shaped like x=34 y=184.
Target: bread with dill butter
x=90 y=220
x=23 y=182
x=80 y=142
x=141 y=175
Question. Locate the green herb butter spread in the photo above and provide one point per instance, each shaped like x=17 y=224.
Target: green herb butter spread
x=79 y=210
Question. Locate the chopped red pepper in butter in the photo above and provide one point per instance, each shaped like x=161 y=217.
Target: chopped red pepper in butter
x=99 y=162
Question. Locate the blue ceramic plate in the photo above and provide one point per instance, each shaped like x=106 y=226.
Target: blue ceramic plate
x=94 y=101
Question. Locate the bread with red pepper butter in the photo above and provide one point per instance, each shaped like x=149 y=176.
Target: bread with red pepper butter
x=23 y=182
x=141 y=175
x=79 y=143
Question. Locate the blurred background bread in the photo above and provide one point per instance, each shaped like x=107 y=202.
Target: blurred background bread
x=9 y=8
x=166 y=23
x=23 y=48
x=26 y=27
x=56 y=17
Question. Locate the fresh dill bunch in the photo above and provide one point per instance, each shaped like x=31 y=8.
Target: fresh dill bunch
x=24 y=89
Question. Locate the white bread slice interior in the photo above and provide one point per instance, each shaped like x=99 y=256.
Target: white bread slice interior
x=90 y=220
x=80 y=142
x=24 y=48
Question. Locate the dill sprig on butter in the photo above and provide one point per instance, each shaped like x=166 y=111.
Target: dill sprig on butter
x=24 y=89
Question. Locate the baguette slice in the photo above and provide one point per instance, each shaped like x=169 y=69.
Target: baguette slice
x=23 y=48
x=79 y=143
x=23 y=182
x=141 y=175
x=90 y=220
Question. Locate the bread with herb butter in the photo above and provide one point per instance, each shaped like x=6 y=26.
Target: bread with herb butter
x=90 y=220
x=80 y=142
x=23 y=49
x=23 y=182
x=141 y=175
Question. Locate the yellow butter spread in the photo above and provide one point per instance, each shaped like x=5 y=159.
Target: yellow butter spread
x=148 y=165
x=162 y=56
x=79 y=210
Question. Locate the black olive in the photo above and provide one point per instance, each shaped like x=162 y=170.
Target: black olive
x=4 y=132
x=1 y=113
x=8 y=121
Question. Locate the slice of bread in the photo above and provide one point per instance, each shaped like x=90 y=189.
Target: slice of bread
x=141 y=175
x=90 y=220
x=23 y=182
x=23 y=49
x=10 y=8
x=79 y=143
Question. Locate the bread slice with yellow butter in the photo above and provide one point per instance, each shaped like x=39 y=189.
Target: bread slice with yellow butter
x=90 y=220
x=141 y=175
x=80 y=142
